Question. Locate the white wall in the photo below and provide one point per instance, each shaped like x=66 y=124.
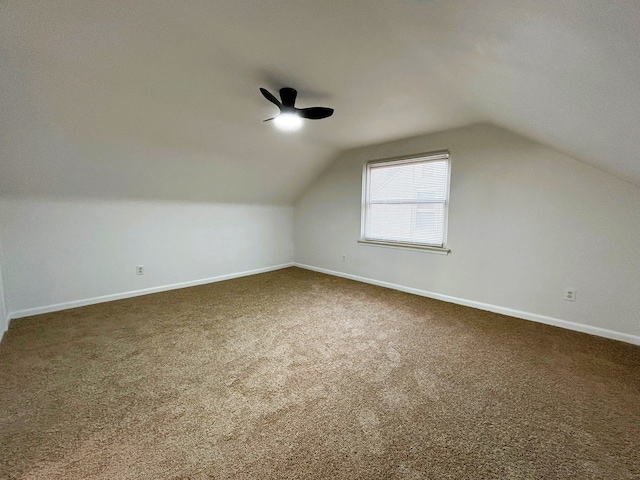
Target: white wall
x=4 y=320
x=524 y=222
x=72 y=250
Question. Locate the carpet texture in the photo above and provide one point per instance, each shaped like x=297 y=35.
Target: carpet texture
x=299 y=375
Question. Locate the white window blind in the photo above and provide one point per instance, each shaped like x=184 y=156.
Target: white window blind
x=406 y=200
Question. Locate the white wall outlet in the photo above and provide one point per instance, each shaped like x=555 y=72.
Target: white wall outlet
x=344 y=257
x=139 y=269
x=570 y=294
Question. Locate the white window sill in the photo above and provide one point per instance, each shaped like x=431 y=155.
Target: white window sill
x=407 y=246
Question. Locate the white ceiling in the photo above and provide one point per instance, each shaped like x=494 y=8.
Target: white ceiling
x=159 y=99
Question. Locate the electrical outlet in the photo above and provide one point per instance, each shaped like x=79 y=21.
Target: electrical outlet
x=344 y=257
x=140 y=270
x=570 y=294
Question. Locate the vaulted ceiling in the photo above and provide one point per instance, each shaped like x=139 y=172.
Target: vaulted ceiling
x=159 y=99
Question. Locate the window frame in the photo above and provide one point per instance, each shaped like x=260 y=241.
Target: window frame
x=365 y=204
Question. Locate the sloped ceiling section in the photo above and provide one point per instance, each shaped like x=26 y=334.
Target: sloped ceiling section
x=159 y=99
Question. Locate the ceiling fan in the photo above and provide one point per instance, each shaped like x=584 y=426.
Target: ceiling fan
x=290 y=117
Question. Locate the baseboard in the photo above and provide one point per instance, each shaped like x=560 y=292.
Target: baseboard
x=136 y=293
x=601 y=332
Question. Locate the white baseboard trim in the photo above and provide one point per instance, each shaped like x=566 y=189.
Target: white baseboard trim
x=601 y=332
x=136 y=293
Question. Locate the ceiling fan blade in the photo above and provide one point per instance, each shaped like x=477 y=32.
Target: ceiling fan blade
x=269 y=96
x=315 y=113
x=288 y=96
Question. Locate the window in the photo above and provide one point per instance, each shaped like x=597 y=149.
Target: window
x=405 y=202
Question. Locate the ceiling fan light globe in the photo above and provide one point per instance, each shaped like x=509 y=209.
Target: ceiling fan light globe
x=288 y=122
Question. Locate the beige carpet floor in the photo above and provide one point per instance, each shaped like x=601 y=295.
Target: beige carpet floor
x=298 y=375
